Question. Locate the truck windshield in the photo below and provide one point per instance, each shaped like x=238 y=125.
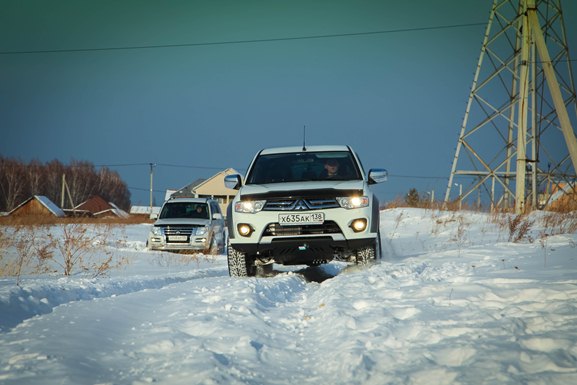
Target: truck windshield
x=304 y=166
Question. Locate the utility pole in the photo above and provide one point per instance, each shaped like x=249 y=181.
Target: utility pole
x=67 y=189
x=152 y=165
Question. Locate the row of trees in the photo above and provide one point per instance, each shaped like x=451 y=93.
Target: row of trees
x=19 y=181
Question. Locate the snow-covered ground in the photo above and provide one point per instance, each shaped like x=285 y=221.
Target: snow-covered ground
x=453 y=302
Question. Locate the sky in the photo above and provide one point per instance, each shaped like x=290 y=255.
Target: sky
x=220 y=81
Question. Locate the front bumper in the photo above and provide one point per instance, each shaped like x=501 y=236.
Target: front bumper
x=334 y=238
x=158 y=242
x=299 y=250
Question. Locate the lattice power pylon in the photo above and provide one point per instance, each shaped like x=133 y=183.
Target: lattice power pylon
x=517 y=144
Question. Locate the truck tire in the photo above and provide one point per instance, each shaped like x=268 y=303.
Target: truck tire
x=366 y=255
x=239 y=264
x=370 y=253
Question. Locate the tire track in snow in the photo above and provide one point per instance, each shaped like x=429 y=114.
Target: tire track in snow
x=22 y=303
x=231 y=331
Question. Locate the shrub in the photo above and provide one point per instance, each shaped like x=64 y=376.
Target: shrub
x=519 y=226
x=68 y=248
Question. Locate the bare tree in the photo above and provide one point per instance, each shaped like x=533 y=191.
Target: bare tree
x=81 y=179
x=53 y=181
x=12 y=183
x=35 y=177
x=19 y=181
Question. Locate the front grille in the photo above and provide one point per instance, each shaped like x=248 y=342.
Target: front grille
x=300 y=204
x=180 y=230
x=275 y=229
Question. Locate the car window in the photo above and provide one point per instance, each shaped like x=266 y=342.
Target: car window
x=184 y=210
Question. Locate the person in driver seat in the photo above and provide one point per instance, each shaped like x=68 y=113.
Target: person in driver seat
x=331 y=170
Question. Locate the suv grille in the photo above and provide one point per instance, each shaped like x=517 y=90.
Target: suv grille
x=275 y=229
x=180 y=230
x=300 y=204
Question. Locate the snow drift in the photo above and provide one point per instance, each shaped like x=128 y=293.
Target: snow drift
x=453 y=302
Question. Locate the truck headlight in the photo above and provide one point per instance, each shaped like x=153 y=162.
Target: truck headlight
x=353 y=202
x=249 y=207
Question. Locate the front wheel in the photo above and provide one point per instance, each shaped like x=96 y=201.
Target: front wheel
x=369 y=254
x=239 y=264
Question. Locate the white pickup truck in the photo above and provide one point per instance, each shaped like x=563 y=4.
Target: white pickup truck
x=305 y=206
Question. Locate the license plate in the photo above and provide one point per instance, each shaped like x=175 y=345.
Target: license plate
x=301 y=219
x=177 y=238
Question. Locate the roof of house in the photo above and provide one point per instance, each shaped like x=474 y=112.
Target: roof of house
x=191 y=188
x=99 y=207
x=187 y=190
x=94 y=204
x=46 y=202
x=144 y=210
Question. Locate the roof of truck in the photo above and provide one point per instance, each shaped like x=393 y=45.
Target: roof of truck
x=282 y=150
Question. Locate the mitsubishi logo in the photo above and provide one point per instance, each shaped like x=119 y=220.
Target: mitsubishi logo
x=300 y=205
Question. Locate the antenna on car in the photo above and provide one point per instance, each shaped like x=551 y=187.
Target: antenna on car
x=304 y=137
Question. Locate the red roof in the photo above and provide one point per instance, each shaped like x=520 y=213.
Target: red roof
x=94 y=204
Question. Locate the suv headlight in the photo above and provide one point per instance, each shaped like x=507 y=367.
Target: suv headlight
x=353 y=202
x=201 y=230
x=249 y=207
x=156 y=230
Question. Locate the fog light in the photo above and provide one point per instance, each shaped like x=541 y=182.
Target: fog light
x=359 y=225
x=244 y=229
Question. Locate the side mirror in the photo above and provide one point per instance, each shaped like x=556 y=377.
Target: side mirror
x=378 y=175
x=217 y=216
x=233 y=181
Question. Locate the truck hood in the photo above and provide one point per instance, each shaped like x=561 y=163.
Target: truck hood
x=181 y=222
x=289 y=189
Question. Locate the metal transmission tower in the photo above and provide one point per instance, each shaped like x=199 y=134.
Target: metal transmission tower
x=517 y=141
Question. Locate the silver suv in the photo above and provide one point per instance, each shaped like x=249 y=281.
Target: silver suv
x=188 y=224
x=302 y=206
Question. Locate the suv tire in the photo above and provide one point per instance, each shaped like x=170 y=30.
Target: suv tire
x=214 y=248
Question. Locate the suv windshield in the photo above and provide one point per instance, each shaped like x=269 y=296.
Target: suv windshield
x=304 y=166
x=184 y=210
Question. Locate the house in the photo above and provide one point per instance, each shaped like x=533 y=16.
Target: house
x=212 y=187
x=563 y=197
x=37 y=205
x=144 y=211
x=97 y=207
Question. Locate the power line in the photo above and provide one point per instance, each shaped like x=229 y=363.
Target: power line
x=161 y=164
x=201 y=167
x=145 y=189
x=189 y=166
x=122 y=165
x=248 y=41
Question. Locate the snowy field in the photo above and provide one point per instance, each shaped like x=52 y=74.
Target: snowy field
x=453 y=302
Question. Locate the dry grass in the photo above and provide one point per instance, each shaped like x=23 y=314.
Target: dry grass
x=67 y=248
x=400 y=202
x=48 y=220
x=565 y=204
x=519 y=227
